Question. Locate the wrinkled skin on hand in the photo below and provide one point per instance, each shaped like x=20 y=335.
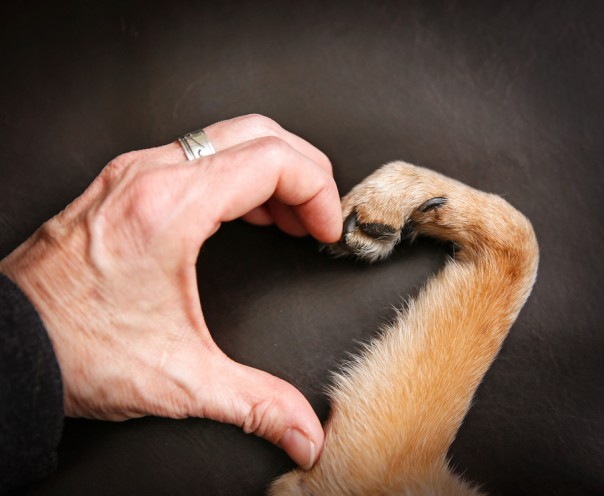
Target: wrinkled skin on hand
x=113 y=277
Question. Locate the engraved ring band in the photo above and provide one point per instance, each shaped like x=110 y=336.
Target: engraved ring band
x=196 y=144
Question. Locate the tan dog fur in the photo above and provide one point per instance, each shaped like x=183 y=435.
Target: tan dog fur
x=397 y=409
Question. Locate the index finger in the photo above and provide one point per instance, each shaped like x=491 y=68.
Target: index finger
x=235 y=181
x=232 y=132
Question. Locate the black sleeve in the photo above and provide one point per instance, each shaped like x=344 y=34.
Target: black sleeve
x=31 y=392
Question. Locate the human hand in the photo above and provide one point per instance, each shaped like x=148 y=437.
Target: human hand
x=113 y=277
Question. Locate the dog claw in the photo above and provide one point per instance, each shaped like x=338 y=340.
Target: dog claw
x=432 y=203
x=350 y=223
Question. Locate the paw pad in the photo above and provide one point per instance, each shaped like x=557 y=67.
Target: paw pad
x=376 y=230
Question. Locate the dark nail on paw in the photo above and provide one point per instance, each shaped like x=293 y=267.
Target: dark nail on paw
x=432 y=203
x=350 y=223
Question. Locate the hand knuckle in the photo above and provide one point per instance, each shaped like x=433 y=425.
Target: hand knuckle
x=120 y=163
x=327 y=164
x=259 y=418
x=262 y=125
x=51 y=231
x=271 y=147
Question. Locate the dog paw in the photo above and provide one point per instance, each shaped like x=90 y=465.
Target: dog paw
x=397 y=202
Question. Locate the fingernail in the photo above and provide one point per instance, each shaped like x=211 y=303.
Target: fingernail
x=299 y=447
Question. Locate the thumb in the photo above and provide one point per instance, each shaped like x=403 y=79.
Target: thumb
x=268 y=407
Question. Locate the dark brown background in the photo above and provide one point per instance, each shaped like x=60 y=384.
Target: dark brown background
x=506 y=96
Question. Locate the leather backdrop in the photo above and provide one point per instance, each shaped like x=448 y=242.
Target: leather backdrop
x=506 y=96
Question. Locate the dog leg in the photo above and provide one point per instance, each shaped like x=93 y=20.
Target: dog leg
x=397 y=409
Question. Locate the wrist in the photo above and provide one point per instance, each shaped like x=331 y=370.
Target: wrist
x=43 y=267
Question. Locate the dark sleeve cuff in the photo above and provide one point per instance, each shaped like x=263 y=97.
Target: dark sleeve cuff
x=31 y=392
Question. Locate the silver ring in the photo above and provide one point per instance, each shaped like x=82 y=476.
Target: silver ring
x=196 y=144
